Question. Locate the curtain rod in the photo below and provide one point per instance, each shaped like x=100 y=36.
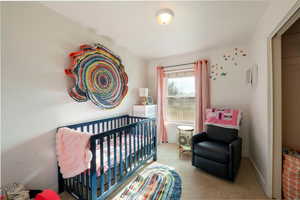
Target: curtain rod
x=179 y=65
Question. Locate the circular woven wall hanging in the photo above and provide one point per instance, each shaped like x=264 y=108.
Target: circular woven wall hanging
x=99 y=76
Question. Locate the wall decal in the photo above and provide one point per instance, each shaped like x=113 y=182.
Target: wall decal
x=234 y=55
x=232 y=58
x=99 y=76
x=216 y=71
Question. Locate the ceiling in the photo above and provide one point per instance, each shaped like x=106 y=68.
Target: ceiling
x=196 y=26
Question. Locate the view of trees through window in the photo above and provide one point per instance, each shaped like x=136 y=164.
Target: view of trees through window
x=181 y=99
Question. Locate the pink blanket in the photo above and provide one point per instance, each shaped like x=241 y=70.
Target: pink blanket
x=227 y=118
x=73 y=153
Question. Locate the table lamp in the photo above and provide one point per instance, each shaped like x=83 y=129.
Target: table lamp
x=143 y=93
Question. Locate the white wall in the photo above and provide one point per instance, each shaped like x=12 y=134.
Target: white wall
x=36 y=44
x=0 y=87
x=230 y=91
x=260 y=136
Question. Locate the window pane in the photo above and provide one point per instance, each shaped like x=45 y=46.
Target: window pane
x=181 y=99
x=184 y=86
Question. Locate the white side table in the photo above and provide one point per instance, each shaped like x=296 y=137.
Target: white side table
x=185 y=134
x=145 y=111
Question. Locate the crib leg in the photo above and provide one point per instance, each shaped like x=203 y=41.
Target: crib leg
x=155 y=157
x=155 y=150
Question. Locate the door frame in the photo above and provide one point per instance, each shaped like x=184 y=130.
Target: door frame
x=275 y=100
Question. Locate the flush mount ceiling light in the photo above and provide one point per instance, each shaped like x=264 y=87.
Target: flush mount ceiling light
x=164 y=16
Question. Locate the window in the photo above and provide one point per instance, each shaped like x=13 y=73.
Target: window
x=180 y=98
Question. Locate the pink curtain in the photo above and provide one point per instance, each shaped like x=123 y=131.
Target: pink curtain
x=162 y=131
x=202 y=93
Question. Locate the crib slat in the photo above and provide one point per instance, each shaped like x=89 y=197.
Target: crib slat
x=138 y=142
x=144 y=140
x=93 y=172
x=77 y=185
x=68 y=184
x=82 y=185
x=151 y=140
x=134 y=145
x=130 y=147
x=72 y=184
x=155 y=144
x=101 y=167
x=126 y=146
x=148 y=138
x=141 y=141
x=121 y=156
x=108 y=161
x=87 y=186
x=115 y=157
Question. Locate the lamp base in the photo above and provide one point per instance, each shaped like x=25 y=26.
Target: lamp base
x=143 y=100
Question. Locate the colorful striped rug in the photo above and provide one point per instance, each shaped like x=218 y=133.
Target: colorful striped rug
x=155 y=182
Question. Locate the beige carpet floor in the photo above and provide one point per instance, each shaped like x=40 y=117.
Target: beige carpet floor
x=197 y=184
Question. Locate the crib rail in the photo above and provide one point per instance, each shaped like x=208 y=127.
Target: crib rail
x=123 y=144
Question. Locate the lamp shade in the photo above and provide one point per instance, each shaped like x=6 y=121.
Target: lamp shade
x=143 y=92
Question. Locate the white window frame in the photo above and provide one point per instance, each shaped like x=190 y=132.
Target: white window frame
x=166 y=105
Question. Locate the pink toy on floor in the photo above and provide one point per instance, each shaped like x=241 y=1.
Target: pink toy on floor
x=47 y=195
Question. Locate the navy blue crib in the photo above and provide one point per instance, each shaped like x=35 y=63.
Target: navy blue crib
x=96 y=185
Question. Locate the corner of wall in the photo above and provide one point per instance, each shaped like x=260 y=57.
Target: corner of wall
x=259 y=175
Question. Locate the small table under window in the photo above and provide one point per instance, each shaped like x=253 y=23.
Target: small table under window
x=185 y=134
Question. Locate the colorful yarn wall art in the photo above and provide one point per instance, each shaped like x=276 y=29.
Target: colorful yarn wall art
x=98 y=75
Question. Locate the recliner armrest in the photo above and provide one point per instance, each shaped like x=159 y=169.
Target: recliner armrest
x=199 y=138
x=235 y=153
x=196 y=139
x=235 y=147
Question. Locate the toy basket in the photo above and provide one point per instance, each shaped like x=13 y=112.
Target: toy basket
x=291 y=176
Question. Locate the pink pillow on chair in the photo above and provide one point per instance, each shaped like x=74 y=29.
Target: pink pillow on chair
x=227 y=118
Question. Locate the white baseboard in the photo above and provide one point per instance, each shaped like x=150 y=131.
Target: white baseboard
x=261 y=178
